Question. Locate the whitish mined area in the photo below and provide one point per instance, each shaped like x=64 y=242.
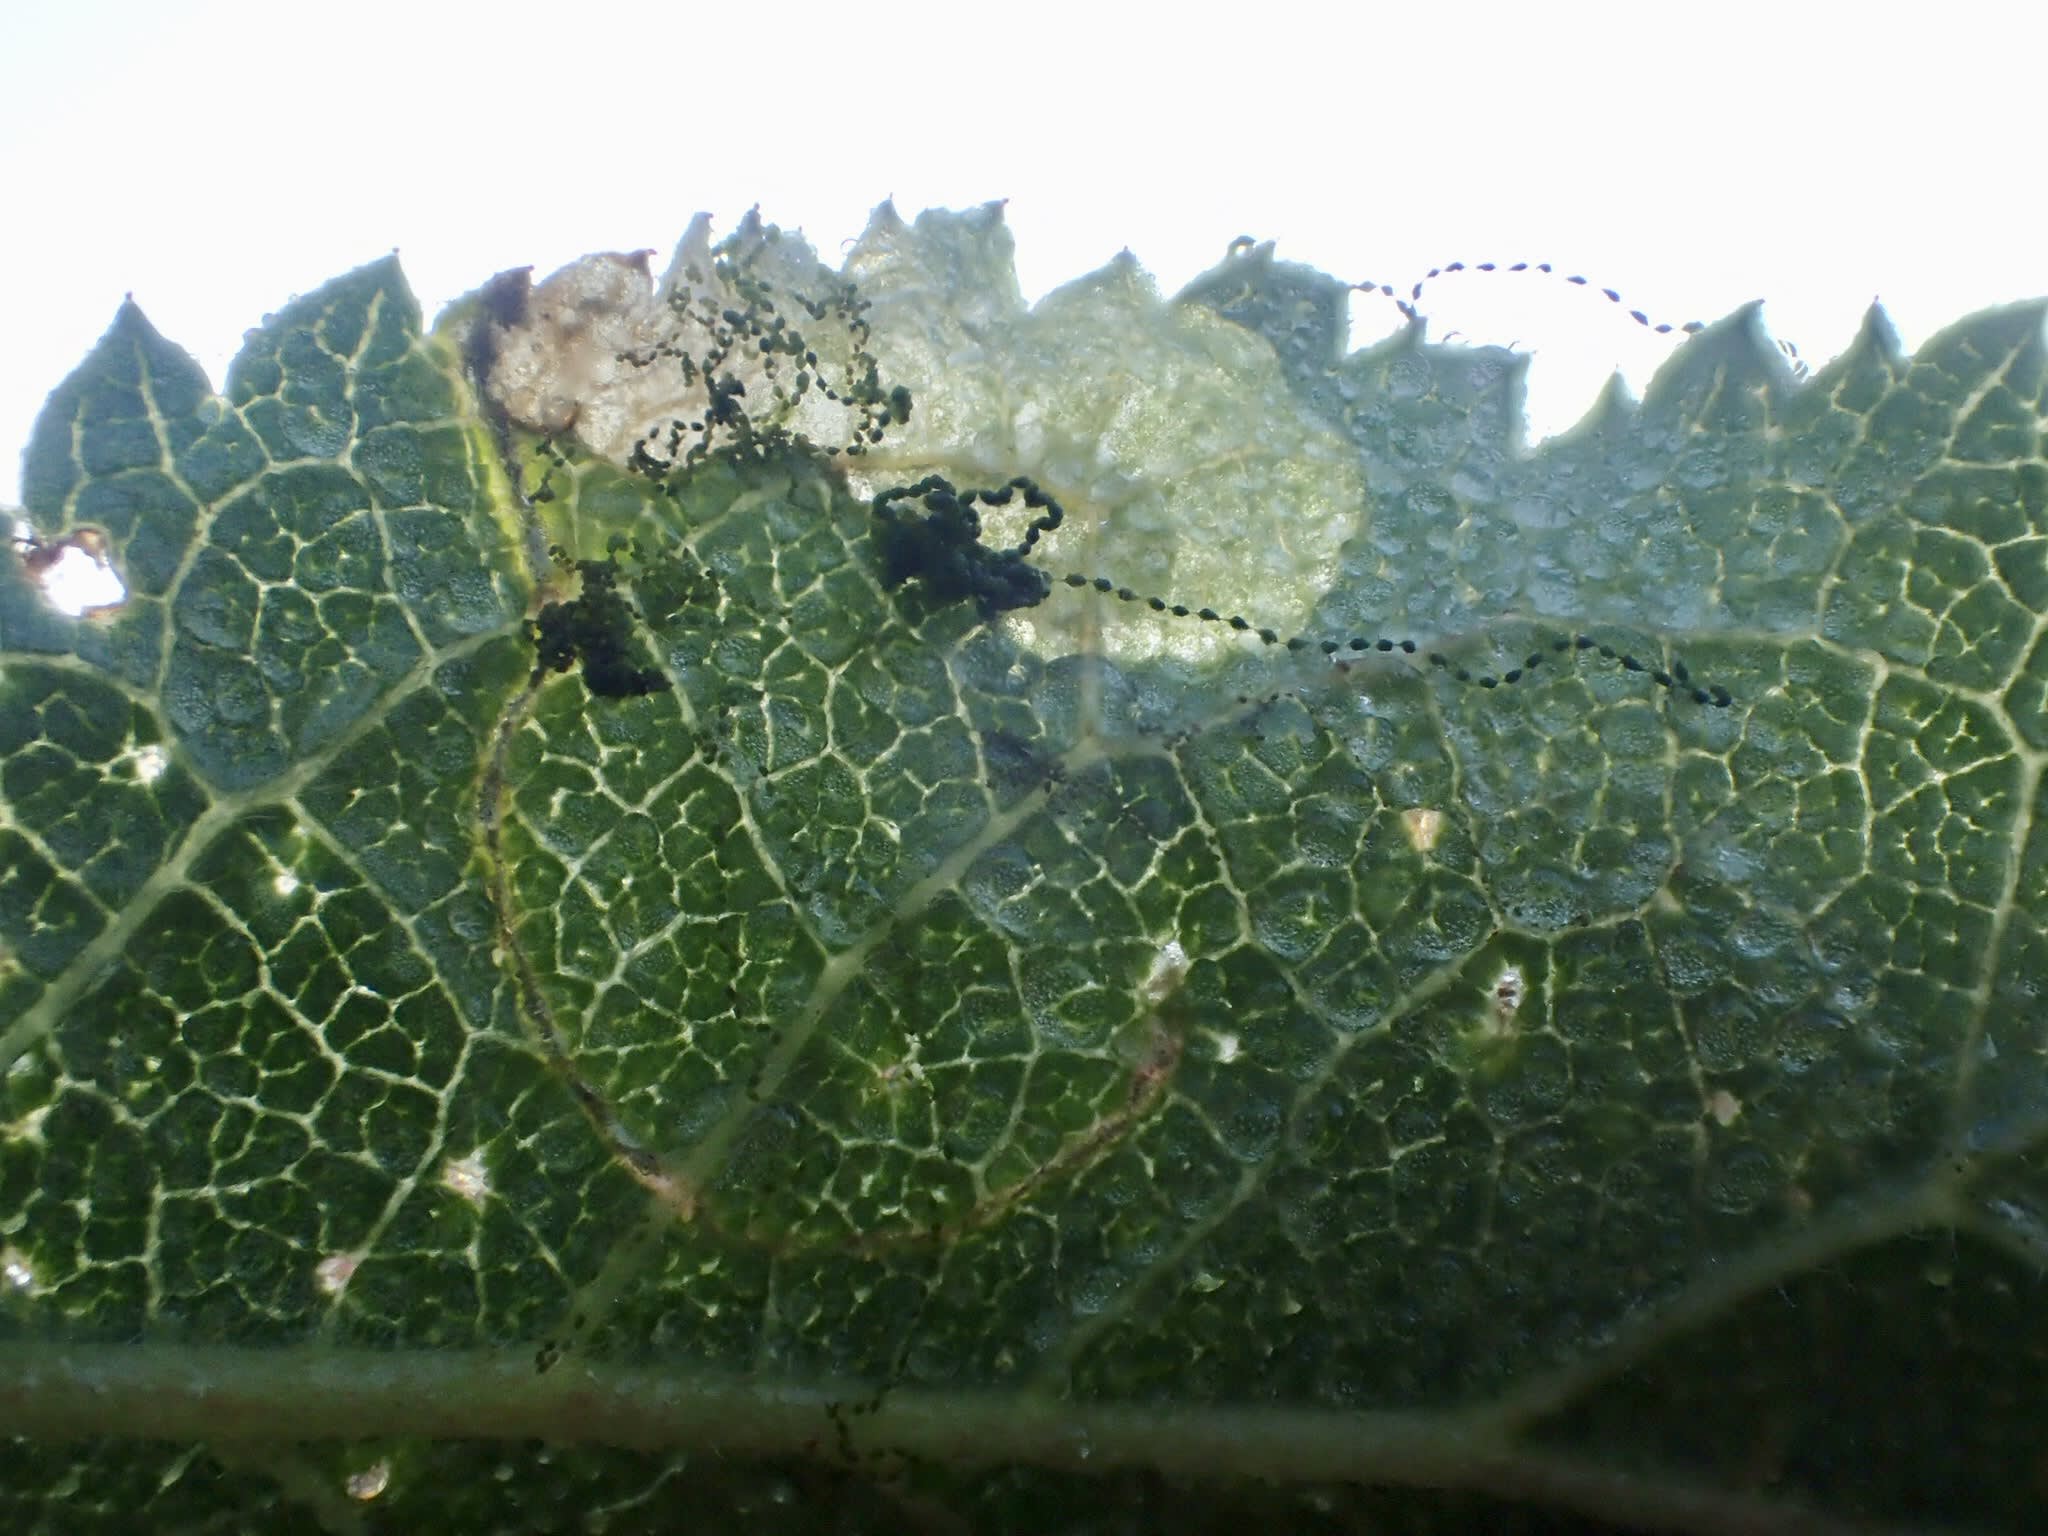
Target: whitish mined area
x=1184 y=461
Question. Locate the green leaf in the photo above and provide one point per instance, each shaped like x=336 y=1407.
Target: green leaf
x=1082 y=1068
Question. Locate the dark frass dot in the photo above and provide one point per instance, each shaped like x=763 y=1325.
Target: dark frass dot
x=940 y=548
x=595 y=628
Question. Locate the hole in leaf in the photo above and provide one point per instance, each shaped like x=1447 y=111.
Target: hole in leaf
x=370 y=1482
x=16 y=1274
x=333 y=1273
x=75 y=574
x=467 y=1177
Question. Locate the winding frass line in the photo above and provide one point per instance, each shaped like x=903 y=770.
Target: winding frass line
x=942 y=549
x=1408 y=306
x=1411 y=305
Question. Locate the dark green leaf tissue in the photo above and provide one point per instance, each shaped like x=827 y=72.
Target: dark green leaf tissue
x=772 y=898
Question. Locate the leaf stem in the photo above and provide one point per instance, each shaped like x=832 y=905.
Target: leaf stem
x=295 y=1394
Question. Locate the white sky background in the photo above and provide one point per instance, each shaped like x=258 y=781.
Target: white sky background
x=215 y=158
